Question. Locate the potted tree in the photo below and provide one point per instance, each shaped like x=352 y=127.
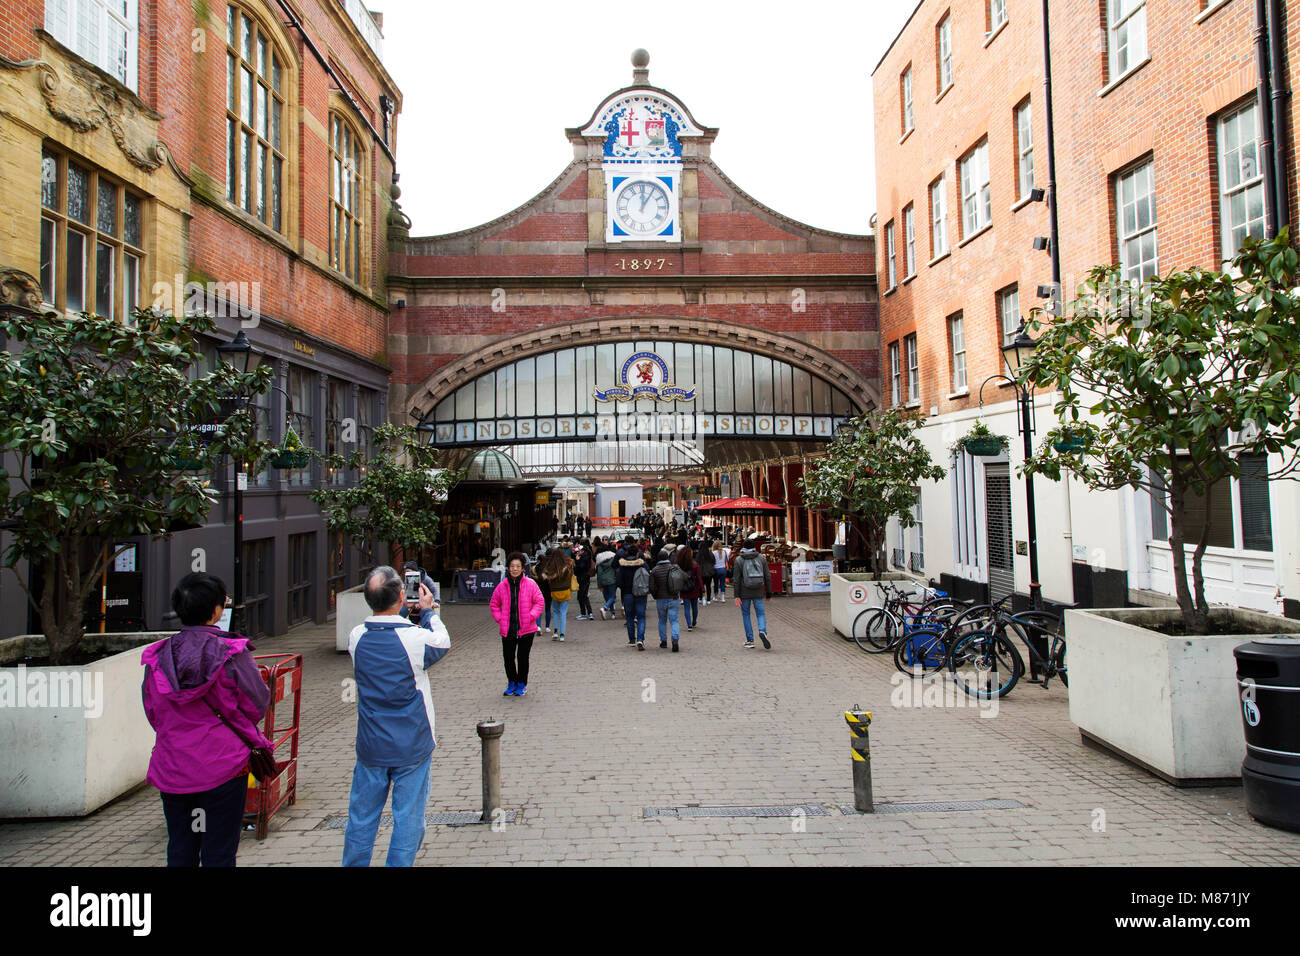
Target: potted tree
x=872 y=472
x=97 y=418
x=1172 y=388
x=398 y=500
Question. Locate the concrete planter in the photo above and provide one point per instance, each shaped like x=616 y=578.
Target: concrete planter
x=844 y=609
x=350 y=611
x=80 y=738
x=1168 y=704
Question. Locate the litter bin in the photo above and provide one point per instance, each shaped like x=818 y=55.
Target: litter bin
x=1268 y=682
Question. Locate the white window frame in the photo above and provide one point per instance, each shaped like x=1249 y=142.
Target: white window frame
x=1245 y=185
x=909 y=232
x=939 y=216
x=1126 y=36
x=957 y=342
x=945 y=52
x=976 y=196
x=896 y=375
x=891 y=269
x=913 y=369
x=1009 y=312
x=1024 y=119
x=1129 y=238
x=83 y=27
x=918 y=533
x=908 y=116
x=997 y=15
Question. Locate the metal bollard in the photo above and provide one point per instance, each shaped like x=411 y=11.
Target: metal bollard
x=490 y=732
x=859 y=720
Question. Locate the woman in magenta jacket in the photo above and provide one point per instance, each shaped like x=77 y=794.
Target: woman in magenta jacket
x=516 y=604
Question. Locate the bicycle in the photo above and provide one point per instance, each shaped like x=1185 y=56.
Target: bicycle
x=878 y=629
x=985 y=662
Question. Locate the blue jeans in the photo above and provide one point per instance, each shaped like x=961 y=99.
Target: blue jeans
x=692 y=611
x=634 y=613
x=369 y=793
x=561 y=611
x=760 y=611
x=720 y=582
x=667 y=608
x=609 y=590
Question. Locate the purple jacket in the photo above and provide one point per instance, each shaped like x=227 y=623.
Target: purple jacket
x=194 y=750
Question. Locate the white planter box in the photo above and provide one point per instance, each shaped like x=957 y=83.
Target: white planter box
x=1166 y=703
x=68 y=761
x=350 y=611
x=844 y=609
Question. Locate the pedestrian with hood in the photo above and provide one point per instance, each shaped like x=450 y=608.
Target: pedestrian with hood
x=582 y=568
x=752 y=580
x=555 y=573
x=634 y=584
x=516 y=604
x=395 y=738
x=666 y=583
x=607 y=581
x=694 y=586
x=204 y=697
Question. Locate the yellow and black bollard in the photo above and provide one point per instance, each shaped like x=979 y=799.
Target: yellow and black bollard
x=859 y=720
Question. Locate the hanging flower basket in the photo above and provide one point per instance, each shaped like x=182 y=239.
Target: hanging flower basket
x=984 y=447
x=1070 y=445
x=290 y=453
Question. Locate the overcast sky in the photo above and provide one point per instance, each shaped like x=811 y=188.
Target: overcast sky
x=489 y=88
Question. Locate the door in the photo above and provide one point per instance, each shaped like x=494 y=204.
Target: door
x=997 y=516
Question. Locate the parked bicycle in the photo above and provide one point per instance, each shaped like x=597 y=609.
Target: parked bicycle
x=984 y=660
x=879 y=628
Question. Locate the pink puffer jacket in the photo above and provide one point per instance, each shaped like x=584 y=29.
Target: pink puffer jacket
x=531 y=604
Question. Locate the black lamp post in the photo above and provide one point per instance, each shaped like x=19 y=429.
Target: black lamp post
x=240 y=355
x=1014 y=354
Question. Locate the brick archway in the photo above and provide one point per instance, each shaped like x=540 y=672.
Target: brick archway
x=426 y=396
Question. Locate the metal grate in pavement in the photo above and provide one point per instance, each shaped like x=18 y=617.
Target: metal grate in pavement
x=456 y=819
x=684 y=813
x=954 y=806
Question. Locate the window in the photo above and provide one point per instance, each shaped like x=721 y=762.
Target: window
x=334 y=581
x=890 y=269
x=335 y=412
x=299 y=417
x=916 y=559
x=301 y=547
x=957 y=342
x=1024 y=150
x=254 y=119
x=366 y=415
x=91 y=242
x=345 y=199
x=938 y=217
x=1135 y=222
x=1241 y=181
x=257 y=588
x=1240 y=512
x=1009 y=312
x=909 y=231
x=997 y=14
x=976 y=201
x=103 y=32
x=913 y=369
x=1127 y=35
x=944 y=43
x=895 y=375
x=906 y=81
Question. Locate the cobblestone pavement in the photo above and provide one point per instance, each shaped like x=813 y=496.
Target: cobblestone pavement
x=606 y=732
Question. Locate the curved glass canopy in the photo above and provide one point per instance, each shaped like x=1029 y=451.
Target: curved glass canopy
x=628 y=391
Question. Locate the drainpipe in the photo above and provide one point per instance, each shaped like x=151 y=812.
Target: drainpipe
x=1278 y=114
x=1266 y=137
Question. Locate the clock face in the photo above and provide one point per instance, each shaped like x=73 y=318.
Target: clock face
x=642 y=207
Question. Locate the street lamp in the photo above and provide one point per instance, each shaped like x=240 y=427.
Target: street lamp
x=240 y=355
x=846 y=430
x=1014 y=355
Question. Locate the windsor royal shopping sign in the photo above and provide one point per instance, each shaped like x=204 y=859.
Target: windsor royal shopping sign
x=644 y=375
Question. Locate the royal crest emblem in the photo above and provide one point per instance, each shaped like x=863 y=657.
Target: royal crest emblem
x=644 y=375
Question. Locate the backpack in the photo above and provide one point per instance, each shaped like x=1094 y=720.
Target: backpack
x=676 y=580
x=751 y=575
x=641 y=581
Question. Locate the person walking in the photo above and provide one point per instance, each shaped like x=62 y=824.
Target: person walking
x=515 y=606
x=719 y=570
x=556 y=577
x=582 y=568
x=752 y=580
x=634 y=584
x=704 y=559
x=607 y=581
x=666 y=583
x=395 y=738
x=694 y=586
x=204 y=698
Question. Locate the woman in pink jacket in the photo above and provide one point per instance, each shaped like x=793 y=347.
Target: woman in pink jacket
x=516 y=604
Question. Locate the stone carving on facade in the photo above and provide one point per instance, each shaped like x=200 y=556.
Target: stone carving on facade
x=19 y=288
x=399 y=223
x=80 y=97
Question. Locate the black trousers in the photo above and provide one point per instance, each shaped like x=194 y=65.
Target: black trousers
x=204 y=827
x=515 y=651
x=584 y=602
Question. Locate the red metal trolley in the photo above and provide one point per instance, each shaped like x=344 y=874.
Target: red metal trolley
x=283 y=675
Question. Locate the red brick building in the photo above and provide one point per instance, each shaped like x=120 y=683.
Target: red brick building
x=641 y=248
x=1158 y=135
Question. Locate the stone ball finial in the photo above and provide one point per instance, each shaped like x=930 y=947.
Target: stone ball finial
x=640 y=58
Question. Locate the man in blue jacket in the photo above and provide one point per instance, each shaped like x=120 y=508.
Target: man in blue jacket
x=395 y=739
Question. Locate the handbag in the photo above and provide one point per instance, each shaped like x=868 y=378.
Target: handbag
x=261 y=761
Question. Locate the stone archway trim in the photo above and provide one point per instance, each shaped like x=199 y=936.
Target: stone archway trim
x=426 y=395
